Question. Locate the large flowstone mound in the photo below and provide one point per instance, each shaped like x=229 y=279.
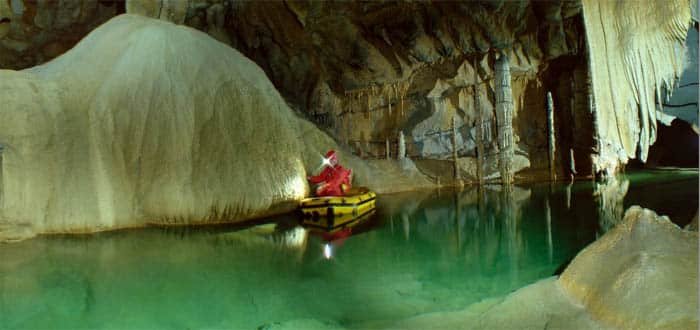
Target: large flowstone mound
x=146 y=121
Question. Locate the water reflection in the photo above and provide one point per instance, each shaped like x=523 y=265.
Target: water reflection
x=422 y=252
x=482 y=228
x=610 y=197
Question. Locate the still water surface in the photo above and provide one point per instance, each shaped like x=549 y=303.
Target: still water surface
x=422 y=252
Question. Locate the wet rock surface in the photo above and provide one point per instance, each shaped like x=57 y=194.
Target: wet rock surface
x=641 y=274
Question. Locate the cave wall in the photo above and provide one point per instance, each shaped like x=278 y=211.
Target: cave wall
x=364 y=71
x=33 y=32
x=683 y=101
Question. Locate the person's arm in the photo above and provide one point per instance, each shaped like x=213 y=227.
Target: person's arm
x=323 y=176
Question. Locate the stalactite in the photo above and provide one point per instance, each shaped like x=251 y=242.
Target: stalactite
x=369 y=102
x=402 y=90
x=504 y=113
x=634 y=47
x=386 y=94
x=401 y=111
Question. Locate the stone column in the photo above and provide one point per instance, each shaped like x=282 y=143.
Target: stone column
x=402 y=146
x=387 y=148
x=504 y=116
x=454 y=149
x=551 y=136
x=480 y=151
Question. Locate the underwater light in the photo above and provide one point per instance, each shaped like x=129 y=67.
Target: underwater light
x=327 y=251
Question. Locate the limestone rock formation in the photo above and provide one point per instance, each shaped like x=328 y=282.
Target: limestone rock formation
x=635 y=50
x=34 y=32
x=365 y=71
x=643 y=274
x=146 y=121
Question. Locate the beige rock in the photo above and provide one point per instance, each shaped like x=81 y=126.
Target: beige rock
x=468 y=166
x=146 y=121
x=635 y=50
x=542 y=305
x=641 y=274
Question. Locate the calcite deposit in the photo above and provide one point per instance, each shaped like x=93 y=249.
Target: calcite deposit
x=144 y=122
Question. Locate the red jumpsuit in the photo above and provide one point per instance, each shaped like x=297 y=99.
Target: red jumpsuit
x=333 y=181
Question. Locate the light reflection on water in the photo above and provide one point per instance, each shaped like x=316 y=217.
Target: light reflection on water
x=423 y=252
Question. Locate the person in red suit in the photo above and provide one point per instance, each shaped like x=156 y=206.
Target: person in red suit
x=334 y=180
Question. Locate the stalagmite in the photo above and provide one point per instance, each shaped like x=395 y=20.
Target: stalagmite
x=454 y=149
x=480 y=152
x=551 y=136
x=402 y=146
x=634 y=47
x=572 y=164
x=504 y=115
x=388 y=149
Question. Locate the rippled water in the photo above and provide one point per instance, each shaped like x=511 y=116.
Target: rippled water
x=422 y=252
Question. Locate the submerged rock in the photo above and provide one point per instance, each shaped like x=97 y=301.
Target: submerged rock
x=642 y=274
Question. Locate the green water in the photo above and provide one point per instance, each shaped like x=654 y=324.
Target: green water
x=422 y=252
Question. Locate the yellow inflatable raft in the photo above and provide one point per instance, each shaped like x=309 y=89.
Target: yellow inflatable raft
x=330 y=213
x=321 y=225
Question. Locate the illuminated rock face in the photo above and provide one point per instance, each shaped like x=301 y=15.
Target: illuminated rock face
x=635 y=50
x=146 y=121
x=641 y=274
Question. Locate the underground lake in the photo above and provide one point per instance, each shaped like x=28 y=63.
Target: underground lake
x=422 y=252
